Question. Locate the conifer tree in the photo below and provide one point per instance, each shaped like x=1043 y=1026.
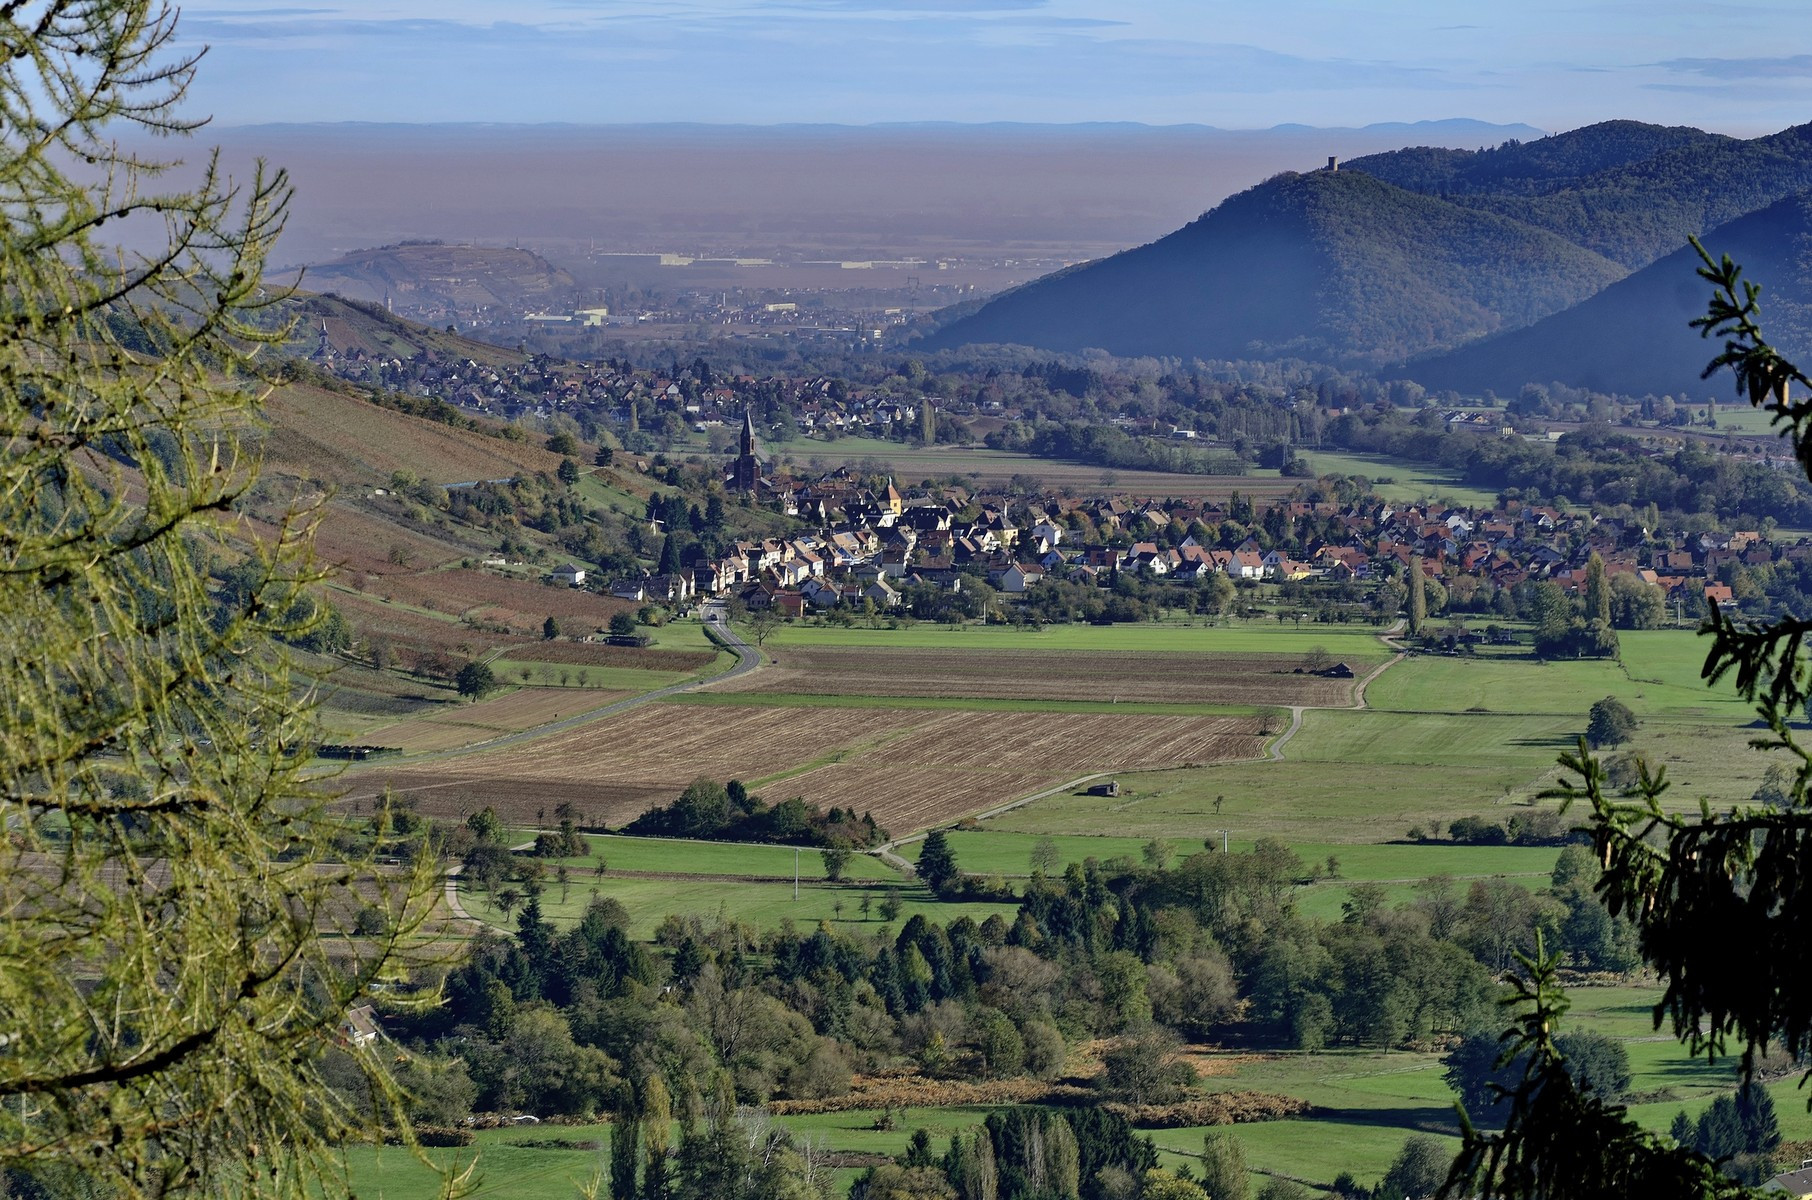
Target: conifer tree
x=937 y=862
x=1717 y=897
x=657 y=1116
x=178 y=945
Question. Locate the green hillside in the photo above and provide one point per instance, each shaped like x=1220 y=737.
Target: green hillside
x=1337 y=266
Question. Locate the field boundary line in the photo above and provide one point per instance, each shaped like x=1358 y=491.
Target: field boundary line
x=748 y=658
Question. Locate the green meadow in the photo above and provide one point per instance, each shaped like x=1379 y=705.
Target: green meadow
x=1258 y=636
x=679 y=856
x=1399 y=479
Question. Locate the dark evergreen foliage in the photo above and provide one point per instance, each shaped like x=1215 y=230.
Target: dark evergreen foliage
x=708 y=809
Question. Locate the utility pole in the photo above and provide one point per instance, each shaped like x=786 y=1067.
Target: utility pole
x=795 y=874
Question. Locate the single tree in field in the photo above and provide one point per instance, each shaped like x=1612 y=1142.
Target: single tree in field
x=1045 y=855
x=1609 y=723
x=836 y=859
x=177 y=944
x=761 y=623
x=1418 y=1170
x=1717 y=897
x=937 y=862
x=550 y=629
x=475 y=680
x=622 y=624
x=1224 y=1168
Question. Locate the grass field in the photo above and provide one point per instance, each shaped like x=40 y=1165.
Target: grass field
x=1408 y=479
x=524 y=1171
x=989 y=851
x=678 y=856
x=1342 y=642
x=572 y=675
x=1441 y=738
x=912 y=463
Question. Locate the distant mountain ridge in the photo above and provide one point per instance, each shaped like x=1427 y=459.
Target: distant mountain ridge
x=1406 y=254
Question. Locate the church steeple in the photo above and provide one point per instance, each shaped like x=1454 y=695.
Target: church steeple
x=745 y=474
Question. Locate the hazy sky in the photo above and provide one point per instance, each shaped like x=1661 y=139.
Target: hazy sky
x=1233 y=63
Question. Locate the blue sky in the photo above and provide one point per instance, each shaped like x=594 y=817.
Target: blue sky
x=1734 y=67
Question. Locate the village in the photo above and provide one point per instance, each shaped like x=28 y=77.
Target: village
x=870 y=548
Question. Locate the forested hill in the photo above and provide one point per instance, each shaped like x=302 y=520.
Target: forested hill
x=1628 y=191
x=1633 y=338
x=1338 y=266
x=1411 y=252
x=1537 y=168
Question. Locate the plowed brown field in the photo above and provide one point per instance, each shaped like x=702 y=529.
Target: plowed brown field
x=1264 y=679
x=911 y=768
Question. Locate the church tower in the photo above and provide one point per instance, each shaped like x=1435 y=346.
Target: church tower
x=745 y=475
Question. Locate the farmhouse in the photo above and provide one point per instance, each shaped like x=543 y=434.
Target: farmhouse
x=571 y=574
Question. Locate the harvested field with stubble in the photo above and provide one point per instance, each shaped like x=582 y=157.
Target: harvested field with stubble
x=520 y=603
x=459 y=724
x=1103 y=675
x=613 y=770
x=911 y=768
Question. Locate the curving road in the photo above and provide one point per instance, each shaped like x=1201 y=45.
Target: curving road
x=1389 y=638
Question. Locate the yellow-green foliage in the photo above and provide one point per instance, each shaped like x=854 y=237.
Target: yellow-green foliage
x=168 y=985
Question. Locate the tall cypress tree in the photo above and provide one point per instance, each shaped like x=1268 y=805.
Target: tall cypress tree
x=1597 y=591
x=1418 y=597
x=625 y=1154
x=657 y=1117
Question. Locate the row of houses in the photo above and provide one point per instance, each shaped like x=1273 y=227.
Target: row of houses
x=869 y=542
